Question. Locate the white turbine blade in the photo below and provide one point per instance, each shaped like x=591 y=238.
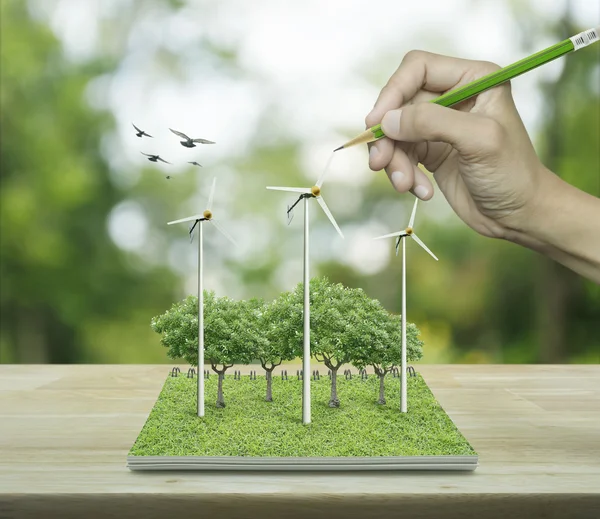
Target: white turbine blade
x=391 y=235
x=223 y=232
x=305 y=190
x=398 y=245
x=321 y=178
x=329 y=215
x=414 y=212
x=188 y=219
x=416 y=238
x=212 y=194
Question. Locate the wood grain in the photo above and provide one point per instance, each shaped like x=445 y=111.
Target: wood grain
x=65 y=432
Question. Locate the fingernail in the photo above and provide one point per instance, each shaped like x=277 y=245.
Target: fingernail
x=421 y=191
x=397 y=177
x=390 y=124
x=373 y=153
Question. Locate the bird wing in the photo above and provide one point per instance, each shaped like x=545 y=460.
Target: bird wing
x=162 y=160
x=147 y=154
x=136 y=127
x=147 y=134
x=203 y=141
x=182 y=135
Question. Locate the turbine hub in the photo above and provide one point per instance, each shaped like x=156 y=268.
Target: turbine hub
x=409 y=230
x=207 y=214
x=315 y=190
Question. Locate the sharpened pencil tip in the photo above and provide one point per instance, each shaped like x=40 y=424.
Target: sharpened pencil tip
x=337 y=149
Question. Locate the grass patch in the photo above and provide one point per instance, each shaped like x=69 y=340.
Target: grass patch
x=251 y=427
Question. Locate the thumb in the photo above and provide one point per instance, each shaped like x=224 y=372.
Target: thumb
x=469 y=133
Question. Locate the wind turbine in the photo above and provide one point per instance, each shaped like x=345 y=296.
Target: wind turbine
x=307 y=193
x=408 y=232
x=206 y=216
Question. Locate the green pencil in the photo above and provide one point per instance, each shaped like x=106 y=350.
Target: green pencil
x=503 y=75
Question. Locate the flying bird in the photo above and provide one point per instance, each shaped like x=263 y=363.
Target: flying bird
x=195 y=163
x=189 y=143
x=154 y=158
x=141 y=133
x=168 y=177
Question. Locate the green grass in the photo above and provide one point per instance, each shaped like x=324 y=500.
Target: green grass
x=249 y=426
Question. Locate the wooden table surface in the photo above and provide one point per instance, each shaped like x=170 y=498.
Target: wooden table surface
x=65 y=432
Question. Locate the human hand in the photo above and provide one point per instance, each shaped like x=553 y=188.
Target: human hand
x=478 y=151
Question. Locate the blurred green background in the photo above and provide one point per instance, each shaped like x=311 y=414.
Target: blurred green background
x=87 y=258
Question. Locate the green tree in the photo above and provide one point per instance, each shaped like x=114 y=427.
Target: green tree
x=568 y=309
x=230 y=327
x=345 y=325
x=270 y=346
x=384 y=351
x=332 y=325
x=67 y=292
x=178 y=327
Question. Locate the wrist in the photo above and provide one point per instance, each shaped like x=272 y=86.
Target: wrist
x=562 y=222
x=542 y=211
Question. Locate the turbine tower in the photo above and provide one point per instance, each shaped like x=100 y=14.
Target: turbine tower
x=308 y=193
x=407 y=232
x=206 y=216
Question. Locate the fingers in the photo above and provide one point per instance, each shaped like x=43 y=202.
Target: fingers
x=405 y=175
x=405 y=115
x=400 y=171
x=381 y=151
x=471 y=134
x=422 y=187
x=418 y=70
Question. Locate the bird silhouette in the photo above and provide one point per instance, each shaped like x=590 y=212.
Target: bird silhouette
x=154 y=158
x=195 y=164
x=168 y=177
x=141 y=133
x=188 y=142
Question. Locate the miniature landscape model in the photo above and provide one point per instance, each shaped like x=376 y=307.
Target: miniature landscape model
x=353 y=415
x=254 y=421
x=252 y=433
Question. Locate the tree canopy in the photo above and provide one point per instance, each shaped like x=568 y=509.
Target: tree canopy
x=67 y=292
x=232 y=330
x=346 y=327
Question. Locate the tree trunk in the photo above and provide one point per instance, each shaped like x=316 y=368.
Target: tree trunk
x=32 y=346
x=555 y=281
x=220 y=399
x=334 y=400
x=553 y=309
x=381 y=375
x=269 y=397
